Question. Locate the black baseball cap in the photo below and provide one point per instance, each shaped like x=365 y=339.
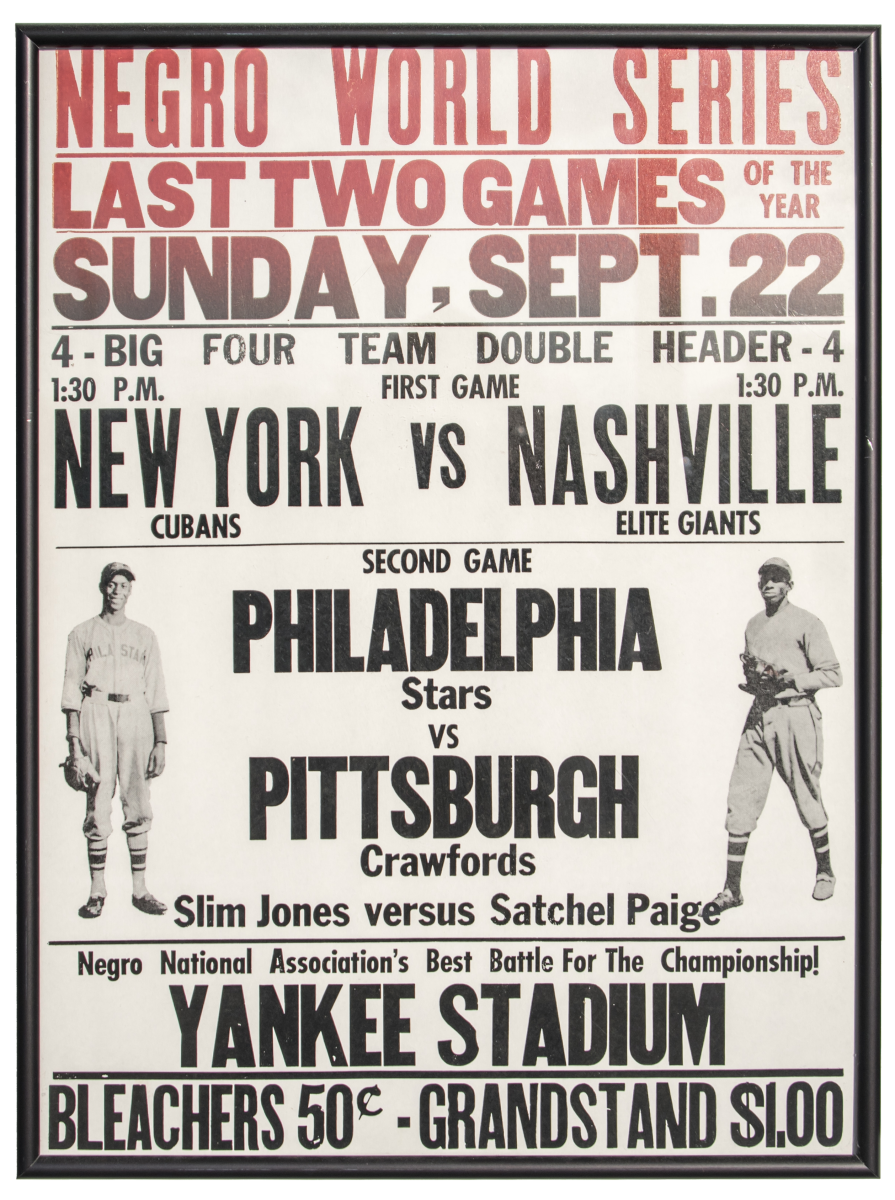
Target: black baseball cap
x=776 y=565
x=115 y=568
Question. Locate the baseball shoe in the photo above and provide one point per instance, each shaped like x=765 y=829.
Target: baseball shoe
x=824 y=886
x=726 y=899
x=93 y=907
x=148 y=904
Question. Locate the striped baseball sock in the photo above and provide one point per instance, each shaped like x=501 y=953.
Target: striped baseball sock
x=137 y=844
x=96 y=859
x=820 y=840
x=736 y=854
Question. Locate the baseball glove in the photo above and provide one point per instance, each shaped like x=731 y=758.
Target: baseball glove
x=80 y=774
x=761 y=678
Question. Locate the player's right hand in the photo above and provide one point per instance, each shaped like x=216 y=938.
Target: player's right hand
x=87 y=773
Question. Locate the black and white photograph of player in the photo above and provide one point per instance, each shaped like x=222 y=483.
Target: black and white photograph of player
x=114 y=703
x=788 y=658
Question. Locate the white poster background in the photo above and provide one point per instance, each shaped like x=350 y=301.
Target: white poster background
x=682 y=723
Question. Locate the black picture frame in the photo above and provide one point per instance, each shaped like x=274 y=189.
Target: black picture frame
x=864 y=40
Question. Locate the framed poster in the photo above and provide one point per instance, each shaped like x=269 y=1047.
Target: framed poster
x=449 y=577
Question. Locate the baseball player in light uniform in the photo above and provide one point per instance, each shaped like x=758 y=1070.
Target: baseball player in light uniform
x=114 y=703
x=788 y=659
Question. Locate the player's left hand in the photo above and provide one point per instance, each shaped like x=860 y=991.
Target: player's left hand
x=156 y=761
x=786 y=679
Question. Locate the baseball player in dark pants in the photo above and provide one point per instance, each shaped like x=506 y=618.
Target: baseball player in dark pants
x=114 y=703
x=788 y=658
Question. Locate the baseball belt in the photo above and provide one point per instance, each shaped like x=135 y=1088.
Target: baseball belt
x=87 y=690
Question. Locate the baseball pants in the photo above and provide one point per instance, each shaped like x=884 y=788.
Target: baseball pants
x=118 y=739
x=788 y=737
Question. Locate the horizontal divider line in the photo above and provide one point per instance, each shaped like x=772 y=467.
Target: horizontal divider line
x=222 y=231
x=459 y=1073
x=621 y=540
x=615 y=940
x=435 y=152
x=482 y=325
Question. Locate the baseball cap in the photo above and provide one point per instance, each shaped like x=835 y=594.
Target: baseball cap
x=776 y=564
x=115 y=568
